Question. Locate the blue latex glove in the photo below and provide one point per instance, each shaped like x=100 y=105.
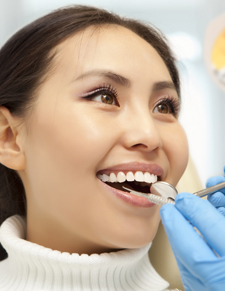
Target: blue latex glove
x=200 y=268
x=217 y=199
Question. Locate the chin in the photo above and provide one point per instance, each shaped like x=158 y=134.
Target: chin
x=138 y=243
x=134 y=241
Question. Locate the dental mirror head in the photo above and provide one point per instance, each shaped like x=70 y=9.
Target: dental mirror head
x=163 y=189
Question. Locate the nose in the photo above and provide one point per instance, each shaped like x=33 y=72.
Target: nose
x=141 y=131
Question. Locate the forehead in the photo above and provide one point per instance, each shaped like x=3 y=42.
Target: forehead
x=110 y=46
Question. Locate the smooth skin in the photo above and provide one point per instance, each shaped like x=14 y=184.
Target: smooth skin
x=67 y=139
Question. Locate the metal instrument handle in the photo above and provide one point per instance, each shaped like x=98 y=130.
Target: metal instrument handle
x=210 y=190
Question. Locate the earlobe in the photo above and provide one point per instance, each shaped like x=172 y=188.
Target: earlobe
x=11 y=151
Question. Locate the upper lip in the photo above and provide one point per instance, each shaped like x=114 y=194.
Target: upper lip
x=133 y=167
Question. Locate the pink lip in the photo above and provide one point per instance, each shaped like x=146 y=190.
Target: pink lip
x=129 y=198
x=134 y=167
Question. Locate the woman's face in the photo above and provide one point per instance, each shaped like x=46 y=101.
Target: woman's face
x=108 y=110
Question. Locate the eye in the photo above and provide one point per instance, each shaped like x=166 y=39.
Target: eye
x=104 y=94
x=163 y=108
x=106 y=98
x=168 y=105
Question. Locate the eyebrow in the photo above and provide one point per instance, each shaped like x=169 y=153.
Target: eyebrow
x=121 y=80
x=108 y=74
x=163 y=85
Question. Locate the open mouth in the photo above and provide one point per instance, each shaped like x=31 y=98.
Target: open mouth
x=137 y=181
x=136 y=186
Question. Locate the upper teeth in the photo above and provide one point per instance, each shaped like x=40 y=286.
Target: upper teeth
x=121 y=177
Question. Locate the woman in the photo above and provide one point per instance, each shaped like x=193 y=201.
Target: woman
x=89 y=103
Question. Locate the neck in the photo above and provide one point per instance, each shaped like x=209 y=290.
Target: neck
x=30 y=266
x=48 y=236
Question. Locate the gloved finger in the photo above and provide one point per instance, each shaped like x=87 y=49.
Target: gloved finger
x=186 y=243
x=184 y=273
x=205 y=217
x=217 y=199
x=190 y=281
x=199 y=267
x=211 y=278
x=221 y=210
x=214 y=181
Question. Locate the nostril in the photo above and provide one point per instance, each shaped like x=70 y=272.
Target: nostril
x=139 y=144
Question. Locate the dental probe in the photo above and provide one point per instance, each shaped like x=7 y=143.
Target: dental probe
x=151 y=197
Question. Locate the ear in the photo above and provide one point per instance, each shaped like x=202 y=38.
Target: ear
x=11 y=151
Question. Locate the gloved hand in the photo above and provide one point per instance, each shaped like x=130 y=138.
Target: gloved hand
x=217 y=199
x=200 y=268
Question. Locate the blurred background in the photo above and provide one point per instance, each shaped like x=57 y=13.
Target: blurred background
x=203 y=102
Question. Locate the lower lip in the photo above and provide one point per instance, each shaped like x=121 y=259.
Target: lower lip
x=129 y=198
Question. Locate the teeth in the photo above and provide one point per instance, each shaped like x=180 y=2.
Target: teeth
x=105 y=178
x=149 y=178
x=139 y=176
x=121 y=177
x=130 y=177
x=112 y=178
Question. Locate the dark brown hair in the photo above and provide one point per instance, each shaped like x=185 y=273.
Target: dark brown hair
x=26 y=58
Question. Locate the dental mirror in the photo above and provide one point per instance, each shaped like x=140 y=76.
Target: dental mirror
x=163 y=189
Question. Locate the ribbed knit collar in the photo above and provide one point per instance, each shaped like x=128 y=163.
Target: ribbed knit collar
x=35 y=268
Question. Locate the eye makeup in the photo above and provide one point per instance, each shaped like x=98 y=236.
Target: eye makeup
x=169 y=105
x=106 y=92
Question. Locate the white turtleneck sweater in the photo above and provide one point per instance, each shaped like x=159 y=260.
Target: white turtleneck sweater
x=30 y=267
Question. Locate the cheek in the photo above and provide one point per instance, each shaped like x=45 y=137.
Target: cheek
x=85 y=140
x=176 y=149
x=62 y=154
x=72 y=140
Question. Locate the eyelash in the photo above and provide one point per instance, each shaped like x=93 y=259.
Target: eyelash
x=173 y=103
x=104 y=89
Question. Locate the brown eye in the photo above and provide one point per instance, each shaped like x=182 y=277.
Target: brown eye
x=107 y=99
x=163 y=108
x=104 y=97
x=168 y=105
